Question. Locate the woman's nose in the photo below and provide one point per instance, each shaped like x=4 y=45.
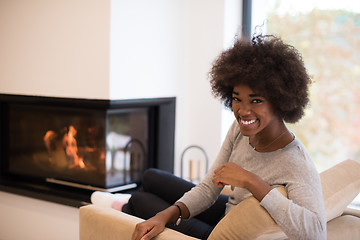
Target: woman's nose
x=244 y=109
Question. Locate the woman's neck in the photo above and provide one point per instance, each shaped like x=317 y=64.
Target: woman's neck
x=271 y=139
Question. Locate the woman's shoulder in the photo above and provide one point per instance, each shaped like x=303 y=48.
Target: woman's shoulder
x=296 y=149
x=295 y=156
x=234 y=133
x=234 y=129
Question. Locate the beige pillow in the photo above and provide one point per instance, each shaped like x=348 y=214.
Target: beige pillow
x=340 y=185
x=248 y=220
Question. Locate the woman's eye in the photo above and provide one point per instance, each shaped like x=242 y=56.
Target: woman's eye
x=257 y=101
x=235 y=99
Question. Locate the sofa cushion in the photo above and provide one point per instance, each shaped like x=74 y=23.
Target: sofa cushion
x=248 y=220
x=340 y=185
x=344 y=227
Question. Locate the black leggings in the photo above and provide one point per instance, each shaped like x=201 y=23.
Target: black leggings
x=160 y=190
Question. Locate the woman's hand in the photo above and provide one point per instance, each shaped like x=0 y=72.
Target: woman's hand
x=154 y=226
x=236 y=176
x=230 y=174
x=149 y=229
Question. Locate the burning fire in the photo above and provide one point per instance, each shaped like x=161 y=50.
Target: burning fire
x=71 y=148
x=68 y=144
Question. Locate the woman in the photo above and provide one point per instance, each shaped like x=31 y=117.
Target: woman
x=265 y=83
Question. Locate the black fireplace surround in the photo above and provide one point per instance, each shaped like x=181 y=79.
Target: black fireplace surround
x=63 y=149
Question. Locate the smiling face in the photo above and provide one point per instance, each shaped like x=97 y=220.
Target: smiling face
x=253 y=112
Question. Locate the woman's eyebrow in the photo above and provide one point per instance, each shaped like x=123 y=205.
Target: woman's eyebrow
x=255 y=95
x=236 y=93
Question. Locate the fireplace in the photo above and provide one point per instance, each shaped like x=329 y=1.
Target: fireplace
x=51 y=146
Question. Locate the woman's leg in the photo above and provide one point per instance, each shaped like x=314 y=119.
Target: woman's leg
x=165 y=185
x=145 y=205
x=215 y=212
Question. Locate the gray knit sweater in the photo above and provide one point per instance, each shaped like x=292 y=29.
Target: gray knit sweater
x=300 y=216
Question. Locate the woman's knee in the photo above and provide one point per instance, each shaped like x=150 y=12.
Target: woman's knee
x=146 y=205
x=153 y=178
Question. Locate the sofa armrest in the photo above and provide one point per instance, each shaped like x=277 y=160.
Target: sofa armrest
x=344 y=227
x=100 y=223
x=340 y=185
x=352 y=211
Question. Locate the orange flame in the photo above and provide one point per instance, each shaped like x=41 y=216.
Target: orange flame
x=71 y=148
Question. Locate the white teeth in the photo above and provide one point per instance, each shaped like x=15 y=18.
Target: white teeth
x=248 y=122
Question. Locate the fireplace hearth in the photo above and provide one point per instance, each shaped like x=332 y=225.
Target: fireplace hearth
x=63 y=149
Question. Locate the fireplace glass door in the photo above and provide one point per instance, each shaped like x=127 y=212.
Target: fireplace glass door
x=101 y=148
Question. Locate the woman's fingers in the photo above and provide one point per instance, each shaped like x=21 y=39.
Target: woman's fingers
x=228 y=174
x=147 y=230
x=217 y=180
x=141 y=229
x=138 y=233
x=152 y=233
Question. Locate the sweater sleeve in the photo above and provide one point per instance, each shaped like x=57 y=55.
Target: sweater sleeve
x=297 y=222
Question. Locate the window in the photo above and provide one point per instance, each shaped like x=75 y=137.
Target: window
x=327 y=33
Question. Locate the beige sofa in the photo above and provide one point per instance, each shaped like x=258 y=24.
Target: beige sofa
x=248 y=220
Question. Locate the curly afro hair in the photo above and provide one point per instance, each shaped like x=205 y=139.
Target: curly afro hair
x=269 y=66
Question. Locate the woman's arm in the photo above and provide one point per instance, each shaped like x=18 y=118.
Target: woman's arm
x=300 y=217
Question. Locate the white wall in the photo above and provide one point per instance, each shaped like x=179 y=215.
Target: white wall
x=55 y=47
x=168 y=51
x=113 y=49
x=144 y=57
